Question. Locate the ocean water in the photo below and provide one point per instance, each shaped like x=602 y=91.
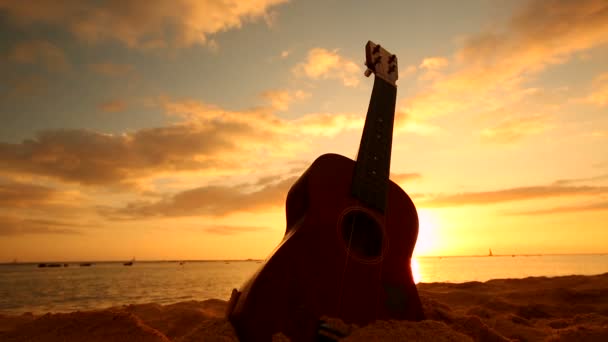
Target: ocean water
x=27 y=288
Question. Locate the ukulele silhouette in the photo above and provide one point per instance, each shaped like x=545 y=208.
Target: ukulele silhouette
x=349 y=239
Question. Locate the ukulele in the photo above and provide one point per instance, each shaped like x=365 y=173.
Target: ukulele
x=349 y=239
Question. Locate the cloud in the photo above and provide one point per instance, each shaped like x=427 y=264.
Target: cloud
x=112 y=69
x=492 y=65
x=140 y=24
x=581 y=180
x=113 y=106
x=599 y=94
x=10 y=225
x=407 y=71
x=512 y=194
x=404 y=177
x=598 y=206
x=208 y=201
x=515 y=128
x=39 y=52
x=324 y=64
x=328 y=124
x=281 y=99
x=20 y=195
x=434 y=63
x=205 y=138
x=92 y=158
x=231 y=230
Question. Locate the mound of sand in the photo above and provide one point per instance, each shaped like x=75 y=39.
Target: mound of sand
x=572 y=308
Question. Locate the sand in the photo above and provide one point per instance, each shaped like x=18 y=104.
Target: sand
x=571 y=308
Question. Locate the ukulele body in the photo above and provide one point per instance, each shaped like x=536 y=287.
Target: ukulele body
x=317 y=270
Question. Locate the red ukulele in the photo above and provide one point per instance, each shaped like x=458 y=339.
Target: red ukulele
x=349 y=239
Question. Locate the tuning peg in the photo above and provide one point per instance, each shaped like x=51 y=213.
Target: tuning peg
x=392 y=58
x=376 y=49
x=367 y=72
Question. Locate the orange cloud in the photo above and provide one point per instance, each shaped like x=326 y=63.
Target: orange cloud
x=404 y=177
x=434 y=63
x=113 y=106
x=230 y=230
x=327 y=124
x=92 y=158
x=207 y=138
x=39 y=52
x=11 y=225
x=20 y=195
x=325 y=64
x=599 y=95
x=512 y=194
x=141 y=24
x=407 y=71
x=597 y=206
x=281 y=99
x=515 y=128
x=209 y=201
x=491 y=66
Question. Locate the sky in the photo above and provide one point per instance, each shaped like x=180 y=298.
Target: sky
x=172 y=130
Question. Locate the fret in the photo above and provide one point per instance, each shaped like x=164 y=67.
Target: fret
x=372 y=167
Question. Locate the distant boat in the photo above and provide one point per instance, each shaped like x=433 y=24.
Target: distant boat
x=49 y=265
x=85 y=264
x=129 y=263
x=490 y=254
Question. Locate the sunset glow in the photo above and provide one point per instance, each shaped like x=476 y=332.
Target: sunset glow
x=174 y=129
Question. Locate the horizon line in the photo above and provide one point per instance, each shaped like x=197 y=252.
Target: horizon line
x=16 y=261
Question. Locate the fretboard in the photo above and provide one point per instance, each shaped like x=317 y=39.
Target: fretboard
x=372 y=168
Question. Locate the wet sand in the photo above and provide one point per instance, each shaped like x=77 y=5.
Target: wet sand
x=571 y=308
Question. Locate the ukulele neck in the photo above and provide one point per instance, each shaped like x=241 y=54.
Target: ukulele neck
x=372 y=167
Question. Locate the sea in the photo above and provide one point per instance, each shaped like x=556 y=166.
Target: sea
x=70 y=287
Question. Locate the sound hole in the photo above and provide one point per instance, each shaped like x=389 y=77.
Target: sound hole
x=362 y=235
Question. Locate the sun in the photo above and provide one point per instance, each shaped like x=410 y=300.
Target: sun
x=428 y=224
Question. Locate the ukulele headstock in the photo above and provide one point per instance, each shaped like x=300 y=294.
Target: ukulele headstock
x=381 y=62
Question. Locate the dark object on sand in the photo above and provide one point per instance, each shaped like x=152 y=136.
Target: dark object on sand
x=349 y=240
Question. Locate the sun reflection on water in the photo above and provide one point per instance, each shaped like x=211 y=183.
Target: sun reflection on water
x=416 y=271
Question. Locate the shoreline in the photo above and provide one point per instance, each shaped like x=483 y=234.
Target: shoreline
x=535 y=308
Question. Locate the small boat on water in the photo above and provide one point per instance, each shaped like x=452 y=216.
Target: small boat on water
x=129 y=263
x=85 y=264
x=490 y=254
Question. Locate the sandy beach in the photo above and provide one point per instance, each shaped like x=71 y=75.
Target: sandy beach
x=570 y=308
